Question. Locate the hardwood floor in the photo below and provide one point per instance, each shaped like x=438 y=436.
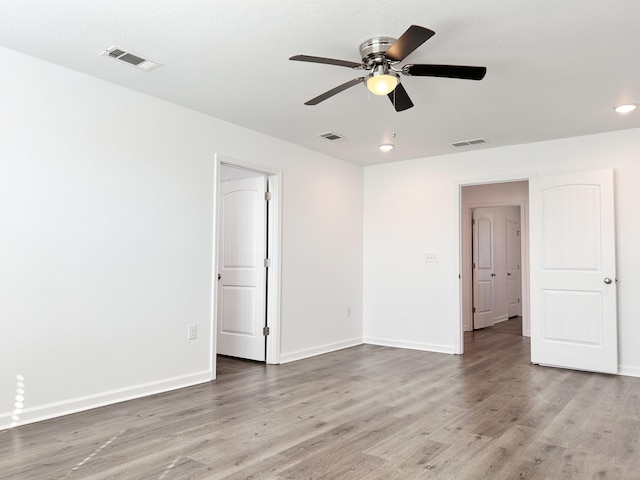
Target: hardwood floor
x=367 y=412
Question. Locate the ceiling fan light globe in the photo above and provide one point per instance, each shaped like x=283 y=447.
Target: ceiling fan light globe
x=382 y=84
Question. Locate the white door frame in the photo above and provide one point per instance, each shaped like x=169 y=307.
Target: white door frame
x=463 y=233
x=274 y=272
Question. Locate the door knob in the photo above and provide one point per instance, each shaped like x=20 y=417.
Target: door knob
x=607 y=280
x=493 y=274
x=219 y=276
x=509 y=274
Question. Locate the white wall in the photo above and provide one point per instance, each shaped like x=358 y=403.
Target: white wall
x=503 y=193
x=412 y=207
x=106 y=241
x=322 y=257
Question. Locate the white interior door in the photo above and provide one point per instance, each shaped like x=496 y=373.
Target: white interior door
x=513 y=269
x=483 y=272
x=242 y=273
x=573 y=286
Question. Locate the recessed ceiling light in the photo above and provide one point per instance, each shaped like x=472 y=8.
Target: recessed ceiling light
x=386 y=147
x=629 y=107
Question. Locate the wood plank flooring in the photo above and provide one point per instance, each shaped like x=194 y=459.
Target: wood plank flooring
x=367 y=413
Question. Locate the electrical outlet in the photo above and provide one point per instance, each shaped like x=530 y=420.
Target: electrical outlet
x=193 y=332
x=431 y=258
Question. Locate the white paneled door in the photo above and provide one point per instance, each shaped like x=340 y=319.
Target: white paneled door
x=573 y=276
x=241 y=269
x=483 y=269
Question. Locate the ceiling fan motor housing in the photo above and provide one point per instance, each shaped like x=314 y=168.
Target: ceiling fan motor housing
x=372 y=51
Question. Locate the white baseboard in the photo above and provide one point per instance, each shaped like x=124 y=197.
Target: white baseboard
x=501 y=318
x=75 y=405
x=628 y=371
x=385 y=342
x=312 y=352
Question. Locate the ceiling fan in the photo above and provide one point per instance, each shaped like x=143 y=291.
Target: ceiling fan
x=380 y=57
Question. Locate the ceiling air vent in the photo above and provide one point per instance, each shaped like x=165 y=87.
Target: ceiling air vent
x=331 y=136
x=466 y=143
x=131 y=58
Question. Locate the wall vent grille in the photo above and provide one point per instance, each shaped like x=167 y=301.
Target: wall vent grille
x=332 y=136
x=466 y=143
x=130 y=58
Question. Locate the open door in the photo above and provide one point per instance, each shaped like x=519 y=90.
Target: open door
x=483 y=269
x=242 y=270
x=573 y=277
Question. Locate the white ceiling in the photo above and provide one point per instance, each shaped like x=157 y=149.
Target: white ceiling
x=555 y=68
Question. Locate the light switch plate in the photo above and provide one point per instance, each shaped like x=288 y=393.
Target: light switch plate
x=431 y=258
x=192 y=334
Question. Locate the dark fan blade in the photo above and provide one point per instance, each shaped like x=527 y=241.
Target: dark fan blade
x=333 y=91
x=408 y=42
x=449 y=71
x=400 y=99
x=328 y=61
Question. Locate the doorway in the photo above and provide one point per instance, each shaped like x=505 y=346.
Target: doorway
x=246 y=269
x=496 y=267
x=496 y=195
x=243 y=254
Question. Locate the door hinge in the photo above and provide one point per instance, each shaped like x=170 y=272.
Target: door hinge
x=518 y=300
x=267 y=262
x=267 y=196
x=265 y=331
x=473 y=265
x=474 y=309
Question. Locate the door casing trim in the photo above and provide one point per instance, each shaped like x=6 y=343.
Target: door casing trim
x=463 y=235
x=274 y=275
